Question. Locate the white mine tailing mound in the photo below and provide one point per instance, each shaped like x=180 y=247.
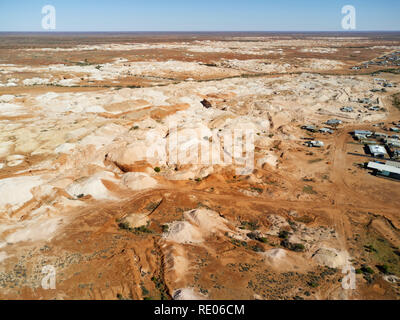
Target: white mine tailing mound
x=206 y=219
x=138 y=181
x=92 y=186
x=35 y=230
x=3 y=256
x=6 y=98
x=186 y=294
x=16 y=191
x=65 y=148
x=103 y=136
x=10 y=110
x=331 y=257
x=275 y=254
x=199 y=224
x=129 y=155
x=5 y=148
x=270 y=159
x=137 y=220
x=183 y=232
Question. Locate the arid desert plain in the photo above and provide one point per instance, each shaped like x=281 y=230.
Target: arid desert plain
x=83 y=191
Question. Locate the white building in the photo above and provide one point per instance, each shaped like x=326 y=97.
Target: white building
x=377 y=151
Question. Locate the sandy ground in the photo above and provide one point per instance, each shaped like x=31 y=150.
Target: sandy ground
x=83 y=190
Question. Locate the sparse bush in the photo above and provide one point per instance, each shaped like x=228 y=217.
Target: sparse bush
x=370 y=248
x=124 y=226
x=143 y=229
x=309 y=190
x=313 y=284
x=367 y=270
x=250 y=225
x=257 y=248
x=297 y=247
x=283 y=234
x=383 y=268
x=157 y=169
x=255 y=236
x=257 y=189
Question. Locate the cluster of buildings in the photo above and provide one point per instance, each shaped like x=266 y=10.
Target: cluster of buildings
x=389 y=60
x=383 y=83
x=324 y=130
x=379 y=144
x=312 y=128
x=382 y=145
x=369 y=103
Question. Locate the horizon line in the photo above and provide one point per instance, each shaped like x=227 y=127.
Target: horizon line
x=203 y=31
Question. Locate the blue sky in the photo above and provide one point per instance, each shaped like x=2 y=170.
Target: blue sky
x=205 y=15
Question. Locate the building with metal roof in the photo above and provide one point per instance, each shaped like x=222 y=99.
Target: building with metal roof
x=334 y=122
x=317 y=144
x=311 y=128
x=393 y=142
x=385 y=170
x=363 y=132
x=347 y=109
x=380 y=135
x=326 y=130
x=393 y=164
x=377 y=151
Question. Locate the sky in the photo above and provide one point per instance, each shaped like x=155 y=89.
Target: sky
x=201 y=15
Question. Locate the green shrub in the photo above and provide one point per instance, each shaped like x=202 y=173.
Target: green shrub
x=309 y=190
x=283 y=234
x=250 y=225
x=143 y=229
x=257 y=248
x=383 y=268
x=313 y=284
x=124 y=226
x=298 y=247
x=370 y=248
x=367 y=270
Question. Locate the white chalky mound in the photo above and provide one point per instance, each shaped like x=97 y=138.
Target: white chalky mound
x=92 y=186
x=186 y=294
x=65 y=148
x=198 y=225
x=183 y=232
x=330 y=257
x=5 y=148
x=16 y=191
x=10 y=110
x=275 y=254
x=34 y=230
x=138 y=181
x=207 y=220
x=6 y=98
